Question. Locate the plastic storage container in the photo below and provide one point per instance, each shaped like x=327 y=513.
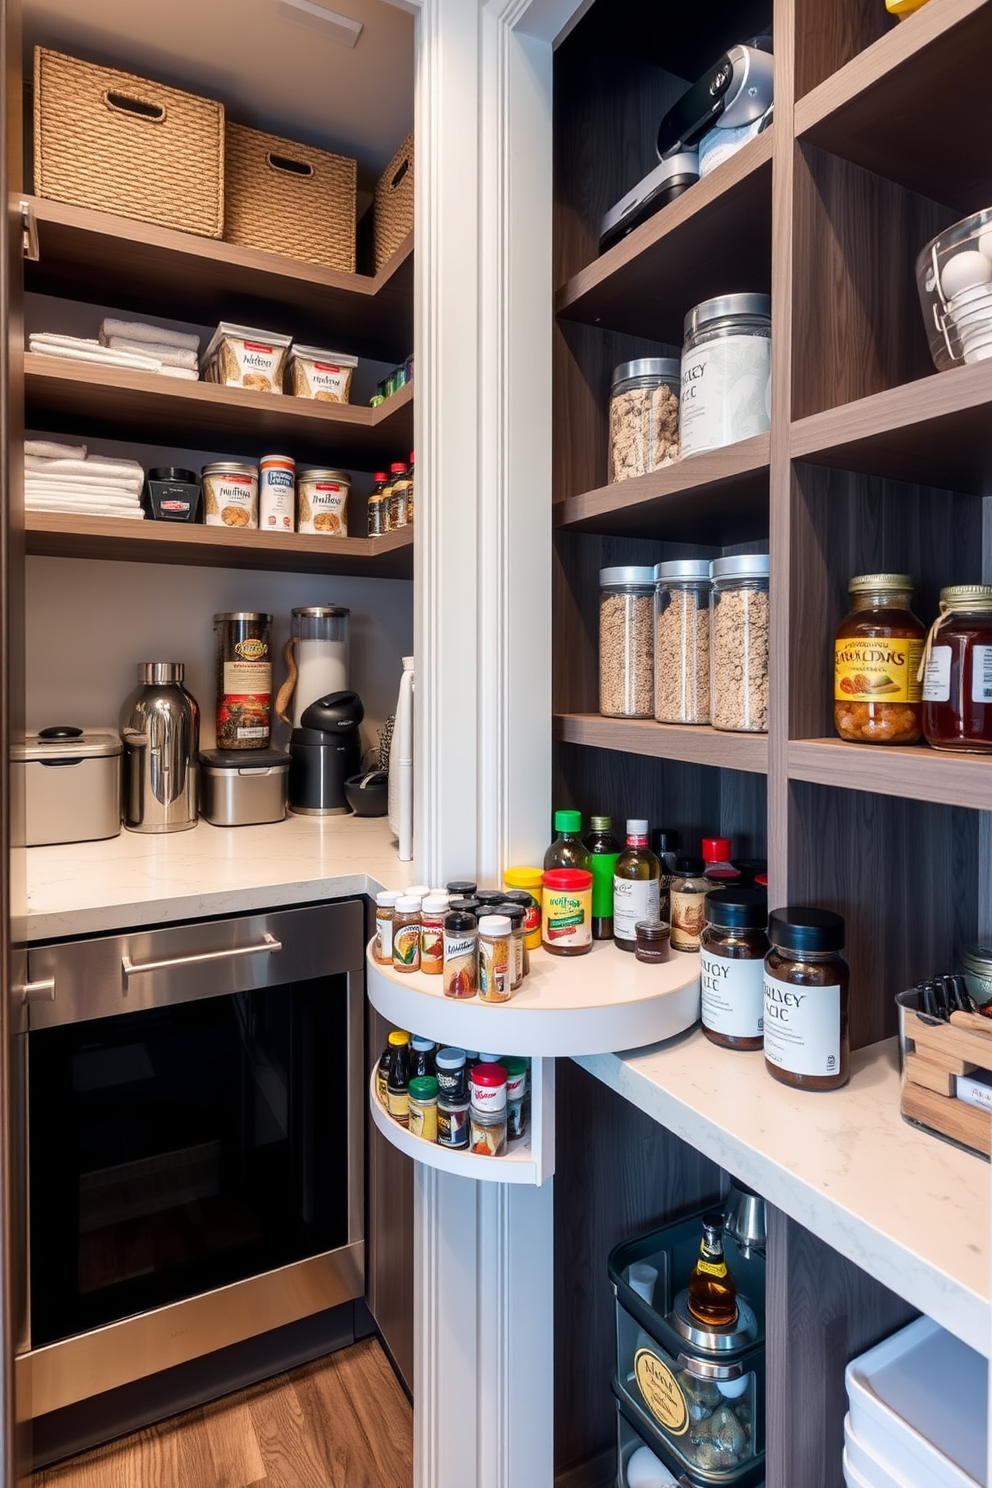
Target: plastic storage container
x=644 y=416
x=739 y=643
x=682 y=641
x=626 y=642
x=954 y=278
x=726 y=372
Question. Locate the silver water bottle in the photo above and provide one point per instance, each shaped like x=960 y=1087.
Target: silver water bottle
x=160 y=727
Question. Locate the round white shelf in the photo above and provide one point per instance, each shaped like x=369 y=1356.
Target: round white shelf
x=591 y=1004
x=517 y=1165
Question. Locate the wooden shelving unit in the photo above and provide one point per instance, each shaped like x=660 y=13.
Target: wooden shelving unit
x=644 y=737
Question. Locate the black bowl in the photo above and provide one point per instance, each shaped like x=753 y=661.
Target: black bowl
x=367 y=794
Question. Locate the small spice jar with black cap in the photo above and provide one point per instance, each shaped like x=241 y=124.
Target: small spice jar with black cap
x=732 y=950
x=806 y=995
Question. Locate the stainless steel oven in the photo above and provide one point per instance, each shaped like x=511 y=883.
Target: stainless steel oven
x=194 y=1134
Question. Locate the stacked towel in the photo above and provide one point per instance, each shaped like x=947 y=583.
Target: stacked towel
x=82 y=349
x=60 y=477
x=170 y=348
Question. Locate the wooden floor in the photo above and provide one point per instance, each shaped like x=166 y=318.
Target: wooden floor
x=341 y=1422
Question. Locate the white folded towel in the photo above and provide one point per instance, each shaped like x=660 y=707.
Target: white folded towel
x=82 y=483
x=85 y=351
x=47 y=449
x=41 y=504
x=169 y=356
x=136 y=330
x=182 y=373
x=80 y=495
x=97 y=467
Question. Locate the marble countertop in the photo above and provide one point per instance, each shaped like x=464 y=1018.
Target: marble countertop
x=138 y=879
x=903 y=1205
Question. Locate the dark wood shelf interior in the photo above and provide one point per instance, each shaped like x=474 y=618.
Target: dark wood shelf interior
x=697 y=743
x=916 y=772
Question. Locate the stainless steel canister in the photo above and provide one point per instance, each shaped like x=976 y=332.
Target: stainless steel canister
x=160 y=727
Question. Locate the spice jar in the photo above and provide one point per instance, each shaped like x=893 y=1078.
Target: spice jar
x=532 y=914
x=566 y=912
x=406 y=933
x=732 y=950
x=688 y=895
x=626 y=642
x=487 y=1133
x=877 y=655
x=451 y=1076
x=516 y=1097
x=461 y=954
x=725 y=392
x=461 y=888
x=433 y=910
x=423 y=1107
x=518 y=951
x=682 y=641
x=957 y=682
x=806 y=992
x=487 y=1087
x=452 y=1121
x=644 y=416
x=382 y=945
x=652 y=943
x=244 y=679
x=739 y=643
x=495 y=969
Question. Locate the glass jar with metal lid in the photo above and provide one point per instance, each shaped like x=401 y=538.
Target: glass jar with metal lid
x=725 y=390
x=682 y=641
x=644 y=416
x=739 y=643
x=626 y=642
x=957 y=681
x=230 y=494
x=877 y=653
x=322 y=499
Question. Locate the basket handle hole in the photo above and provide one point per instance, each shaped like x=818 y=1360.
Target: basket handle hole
x=136 y=106
x=399 y=175
x=295 y=167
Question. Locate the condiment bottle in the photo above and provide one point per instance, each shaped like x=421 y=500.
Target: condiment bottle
x=566 y=912
x=636 y=886
x=732 y=951
x=409 y=488
x=398 y=1083
x=433 y=909
x=382 y=945
x=530 y=881
x=688 y=895
x=394 y=1041
x=652 y=941
x=718 y=870
x=568 y=849
x=666 y=844
x=423 y=1107
x=712 y=1298
x=604 y=849
x=877 y=655
x=806 y=994
x=461 y=952
x=421 y=1056
x=495 y=961
x=376 y=507
x=406 y=933
x=516 y=1097
x=957 y=685
x=518 y=951
x=487 y=1087
x=397 y=496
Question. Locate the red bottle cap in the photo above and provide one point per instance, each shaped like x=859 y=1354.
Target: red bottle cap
x=380 y=475
x=488 y=1075
x=716 y=849
x=569 y=879
x=397 y=468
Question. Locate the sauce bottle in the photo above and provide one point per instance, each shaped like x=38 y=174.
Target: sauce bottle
x=712 y=1296
x=636 y=886
x=398 y=1083
x=376 y=507
x=688 y=894
x=568 y=849
x=604 y=849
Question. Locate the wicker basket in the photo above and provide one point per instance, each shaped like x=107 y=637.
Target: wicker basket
x=291 y=199
x=119 y=143
x=393 y=204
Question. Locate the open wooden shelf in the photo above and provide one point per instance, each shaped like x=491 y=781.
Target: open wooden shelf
x=140 y=266
x=113 y=402
x=915 y=772
x=880 y=110
x=722 y=495
x=687 y=742
x=65 y=535
x=715 y=234
x=936 y=432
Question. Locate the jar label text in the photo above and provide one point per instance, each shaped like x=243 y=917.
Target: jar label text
x=732 y=995
x=802 y=1027
x=877 y=670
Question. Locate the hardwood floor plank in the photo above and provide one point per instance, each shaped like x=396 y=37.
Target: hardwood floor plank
x=220 y=1448
x=288 y=1452
x=356 y=1408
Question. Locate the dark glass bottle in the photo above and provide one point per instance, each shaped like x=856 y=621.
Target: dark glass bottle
x=568 y=850
x=636 y=886
x=422 y=1057
x=712 y=1290
x=604 y=849
x=398 y=1085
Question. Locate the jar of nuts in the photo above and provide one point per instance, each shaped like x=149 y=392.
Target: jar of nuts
x=682 y=641
x=644 y=416
x=626 y=642
x=739 y=643
x=877 y=653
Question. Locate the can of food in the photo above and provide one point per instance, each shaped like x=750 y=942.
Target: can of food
x=230 y=494
x=244 y=680
x=276 y=493
x=323 y=498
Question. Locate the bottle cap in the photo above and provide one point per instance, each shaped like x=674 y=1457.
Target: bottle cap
x=417 y=890
x=463 y=906
x=490 y=1075
x=570 y=880
x=489 y=897
x=386 y=898
x=800 y=929
x=667 y=840
x=519 y=897
x=435 y=904
x=568 y=821
x=600 y=823
x=459 y=922
x=523 y=878
x=398 y=1038
x=489 y=1059
x=450 y=1059
x=408 y=903
x=652 y=930
x=423 y=1088
x=746 y=909
x=494 y=924
x=894 y=583
x=380 y=475
x=397 y=468
x=636 y=827
x=514 y=1066
x=716 y=849
x=515 y=913
x=688 y=865
x=421 y=1044
x=461 y=887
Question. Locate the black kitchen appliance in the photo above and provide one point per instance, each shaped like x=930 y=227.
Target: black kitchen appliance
x=323 y=752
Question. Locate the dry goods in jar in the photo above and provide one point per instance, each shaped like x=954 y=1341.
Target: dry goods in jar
x=244 y=679
x=739 y=643
x=323 y=375
x=957 y=685
x=626 y=642
x=323 y=501
x=682 y=642
x=239 y=356
x=877 y=655
x=230 y=494
x=644 y=416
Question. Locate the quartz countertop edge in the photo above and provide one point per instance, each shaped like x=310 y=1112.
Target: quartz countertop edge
x=908 y=1208
x=86 y=888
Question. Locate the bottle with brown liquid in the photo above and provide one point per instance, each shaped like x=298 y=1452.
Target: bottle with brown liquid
x=712 y=1289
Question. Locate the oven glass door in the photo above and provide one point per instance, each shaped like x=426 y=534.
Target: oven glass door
x=182 y=1148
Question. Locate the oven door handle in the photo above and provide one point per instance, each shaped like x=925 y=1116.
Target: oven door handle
x=131 y=968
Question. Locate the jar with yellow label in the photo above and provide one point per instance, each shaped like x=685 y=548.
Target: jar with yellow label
x=495 y=959
x=423 y=1107
x=566 y=911
x=877 y=653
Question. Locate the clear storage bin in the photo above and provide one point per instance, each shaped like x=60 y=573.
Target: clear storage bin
x=954 y=279
x=626 y=642
x=644 y=416
x=739 y=643
x=682 y=641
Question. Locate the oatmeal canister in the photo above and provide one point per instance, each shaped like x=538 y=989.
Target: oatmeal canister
x=566 y=911
x=230 y=494
x=244 y=679
x=276 y=493
x=323 y=501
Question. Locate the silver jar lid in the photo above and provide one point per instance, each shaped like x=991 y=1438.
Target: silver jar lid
x=667 y=368
x=741 y=566
x=254 y=615
x=161 y=672
x=742 y=1332
x=725 y=306
x=340 y=476
x=229 y=467
x=697 y=570
x=320 y=612
x=629 y=574
x=977 y=960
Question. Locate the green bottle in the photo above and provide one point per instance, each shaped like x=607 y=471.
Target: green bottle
x=604 y=849
x=568 y=849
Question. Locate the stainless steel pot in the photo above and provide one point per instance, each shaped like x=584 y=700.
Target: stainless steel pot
x=71 y=783
x=160 y=727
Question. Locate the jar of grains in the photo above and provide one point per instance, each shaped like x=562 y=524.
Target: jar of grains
x=626 y=649
x=739 y=643
x=877 y=655
x=644 y=416
x=726 y=372
x=957 y=684
x=682 y=641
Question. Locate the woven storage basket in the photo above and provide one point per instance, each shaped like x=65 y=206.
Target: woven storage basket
x=290 y=199
x=119 y=143
x=393 y=204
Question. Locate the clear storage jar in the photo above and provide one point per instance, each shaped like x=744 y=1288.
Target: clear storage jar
x=739 y=643
x=626 y=642
x=682 y=641
x=644 y=416
x=957 y=683
x=725 y=391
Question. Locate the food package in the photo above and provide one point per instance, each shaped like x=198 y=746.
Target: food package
x=241 y=356
x=324 y=375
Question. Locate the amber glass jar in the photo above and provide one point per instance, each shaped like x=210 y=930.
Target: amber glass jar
x=877 y=653
x=957 y=685
x=732 y=950
x=806 y=994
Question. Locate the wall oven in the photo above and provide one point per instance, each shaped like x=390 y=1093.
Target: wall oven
x=194 y=1130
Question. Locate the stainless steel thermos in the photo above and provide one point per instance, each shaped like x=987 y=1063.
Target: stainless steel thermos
x=160 y=728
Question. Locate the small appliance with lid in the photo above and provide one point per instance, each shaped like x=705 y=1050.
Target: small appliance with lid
x=316 y=657
x=239 y=789
x=70 y=782
x=323 y=752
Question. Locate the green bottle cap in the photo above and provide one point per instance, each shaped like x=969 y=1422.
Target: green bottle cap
x=423 y=1088
x=513 y=1065
x=568 y=821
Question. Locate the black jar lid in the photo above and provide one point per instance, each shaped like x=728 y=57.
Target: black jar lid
x=459 y=921
x=666 y=840
x=745 y=909
x=749 y=868
x=689 y=866
x=514 y=912
x=468 y=905
x=174 y=473
x=489 y=896
x=797 y=928
x=461 y=888
x=652 y=931
x=522 y=897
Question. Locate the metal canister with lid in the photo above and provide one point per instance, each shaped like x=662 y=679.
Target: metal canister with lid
x=726 y=372
x=276 y=493
x=644 y=416
x=322 y=501
x=230 y=494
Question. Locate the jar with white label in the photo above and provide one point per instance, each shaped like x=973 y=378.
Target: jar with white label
x=806 y=995
x=957 y=681
x=230 y=495
x=732 y=950
x=276 y=493
x=726 y=372
x=322 y=497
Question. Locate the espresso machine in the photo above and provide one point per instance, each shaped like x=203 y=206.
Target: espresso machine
x=324 y=752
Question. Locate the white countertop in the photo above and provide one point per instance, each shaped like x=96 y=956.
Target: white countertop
x=909 y=1209
x=144 y=878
